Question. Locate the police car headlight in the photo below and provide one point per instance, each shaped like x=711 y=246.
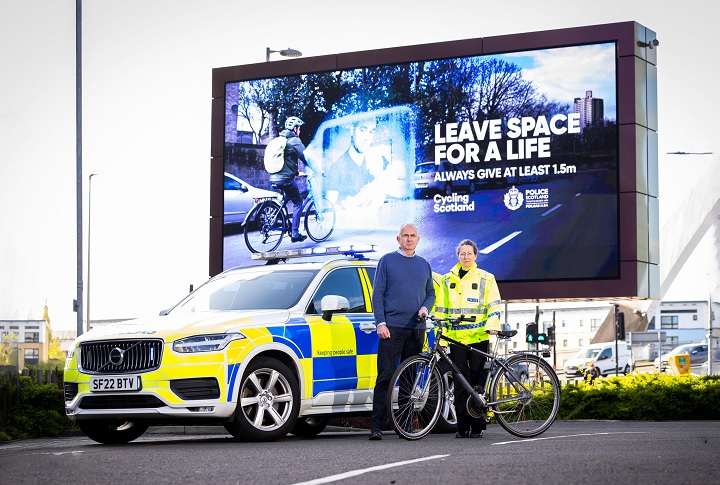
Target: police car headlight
x=205 y=343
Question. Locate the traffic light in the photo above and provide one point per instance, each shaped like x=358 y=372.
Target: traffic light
x=550 y=336
x=620 y=326
x=541 y=338
x=531 y=333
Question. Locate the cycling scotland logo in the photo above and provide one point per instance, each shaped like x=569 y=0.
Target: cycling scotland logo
x=513 y=199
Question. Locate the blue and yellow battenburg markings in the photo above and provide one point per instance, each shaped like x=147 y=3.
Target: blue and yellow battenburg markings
x=340 y=356
x=334 y=356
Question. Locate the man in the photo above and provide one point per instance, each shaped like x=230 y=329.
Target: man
x=350 y=172
x=402 y=293
x=285 y=178
x=591 y=373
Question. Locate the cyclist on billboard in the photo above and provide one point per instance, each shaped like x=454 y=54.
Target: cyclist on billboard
x=285 y=178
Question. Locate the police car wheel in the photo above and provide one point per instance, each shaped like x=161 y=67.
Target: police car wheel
x=112 y=431
x=447 y=421
x=309 y=426
x=268 y=402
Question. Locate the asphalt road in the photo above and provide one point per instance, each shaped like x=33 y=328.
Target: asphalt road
x=570 y=452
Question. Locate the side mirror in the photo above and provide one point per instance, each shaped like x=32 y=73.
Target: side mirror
x=332 y=304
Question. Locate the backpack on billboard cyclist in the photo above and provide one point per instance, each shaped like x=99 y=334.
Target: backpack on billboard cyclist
x=274 y=158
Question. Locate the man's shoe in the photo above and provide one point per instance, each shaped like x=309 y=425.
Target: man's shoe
x=298 y=238
x=473 y=434
x=462 y=434
x=375 y=435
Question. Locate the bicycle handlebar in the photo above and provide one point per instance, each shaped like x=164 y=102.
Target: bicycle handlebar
x=448 y=321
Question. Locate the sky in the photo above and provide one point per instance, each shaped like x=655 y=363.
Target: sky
x=146 y=95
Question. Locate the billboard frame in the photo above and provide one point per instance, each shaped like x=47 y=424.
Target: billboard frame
x=637 y=121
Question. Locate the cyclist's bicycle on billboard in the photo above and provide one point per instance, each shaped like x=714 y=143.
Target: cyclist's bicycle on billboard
x=269 y=220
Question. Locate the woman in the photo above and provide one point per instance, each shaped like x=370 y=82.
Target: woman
x=470 y=291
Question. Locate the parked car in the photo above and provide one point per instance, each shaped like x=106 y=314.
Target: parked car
x=445 y=179
x=603 y=356
x=240 y=197
x=697 y=351
x=263 y=350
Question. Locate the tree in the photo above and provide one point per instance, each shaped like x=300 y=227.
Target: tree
x=7 y=348
x=54 y=350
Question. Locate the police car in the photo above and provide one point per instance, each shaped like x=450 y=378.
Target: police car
x=264 y=350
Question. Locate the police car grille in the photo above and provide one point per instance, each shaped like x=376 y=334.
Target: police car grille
x=136 y=356
x=138 y=401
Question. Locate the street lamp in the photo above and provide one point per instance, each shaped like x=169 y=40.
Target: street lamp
x=87 y=310
x=284 y=52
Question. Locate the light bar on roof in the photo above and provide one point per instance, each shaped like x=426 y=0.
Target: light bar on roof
x=346 y=250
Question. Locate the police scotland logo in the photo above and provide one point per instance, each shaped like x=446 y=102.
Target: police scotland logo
x=513 y=199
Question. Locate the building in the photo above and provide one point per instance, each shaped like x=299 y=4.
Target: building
x=29 y=339
x=685 y=322
x=576 y=325
x=591 y=110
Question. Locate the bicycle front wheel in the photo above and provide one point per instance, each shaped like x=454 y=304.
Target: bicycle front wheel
x=526 y=395
x=415 y=397
x=320 y=219
x=265 y=228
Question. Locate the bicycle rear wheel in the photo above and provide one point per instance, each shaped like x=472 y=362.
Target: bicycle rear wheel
x=529 y=391
x=319 y=219
x=415 y=397
x=265 y=228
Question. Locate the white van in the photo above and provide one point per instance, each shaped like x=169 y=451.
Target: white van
x=603 y=356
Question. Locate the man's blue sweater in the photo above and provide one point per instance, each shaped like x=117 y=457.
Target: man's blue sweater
x=403 y=284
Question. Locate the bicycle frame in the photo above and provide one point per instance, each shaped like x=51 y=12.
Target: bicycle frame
x=282 y=203
x=438 y=353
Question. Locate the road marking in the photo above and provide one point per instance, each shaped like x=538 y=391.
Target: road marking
x=502 y=241
x=354 y=473
x=549 y=211
x=567 y=436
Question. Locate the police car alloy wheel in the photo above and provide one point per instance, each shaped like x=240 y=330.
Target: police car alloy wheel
x=268 y=402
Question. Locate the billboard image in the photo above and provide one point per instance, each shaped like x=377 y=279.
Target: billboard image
x=515 y=151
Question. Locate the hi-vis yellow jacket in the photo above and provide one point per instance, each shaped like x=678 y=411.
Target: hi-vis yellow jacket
x=476 y=294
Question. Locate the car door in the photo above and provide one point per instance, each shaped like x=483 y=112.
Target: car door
x=237 y=203
x=605 y=361
x=344 y=357
x=699 y=354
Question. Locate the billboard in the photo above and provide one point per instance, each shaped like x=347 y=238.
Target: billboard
x=515 y=142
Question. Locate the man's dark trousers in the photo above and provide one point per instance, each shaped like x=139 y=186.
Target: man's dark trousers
x=403 y=343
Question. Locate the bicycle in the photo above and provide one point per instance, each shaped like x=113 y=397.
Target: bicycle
x=523 y=391
x=269 y=220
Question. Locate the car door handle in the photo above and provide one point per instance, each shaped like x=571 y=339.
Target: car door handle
x=368 y=327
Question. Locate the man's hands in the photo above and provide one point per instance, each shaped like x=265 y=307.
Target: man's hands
x=384 y=332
